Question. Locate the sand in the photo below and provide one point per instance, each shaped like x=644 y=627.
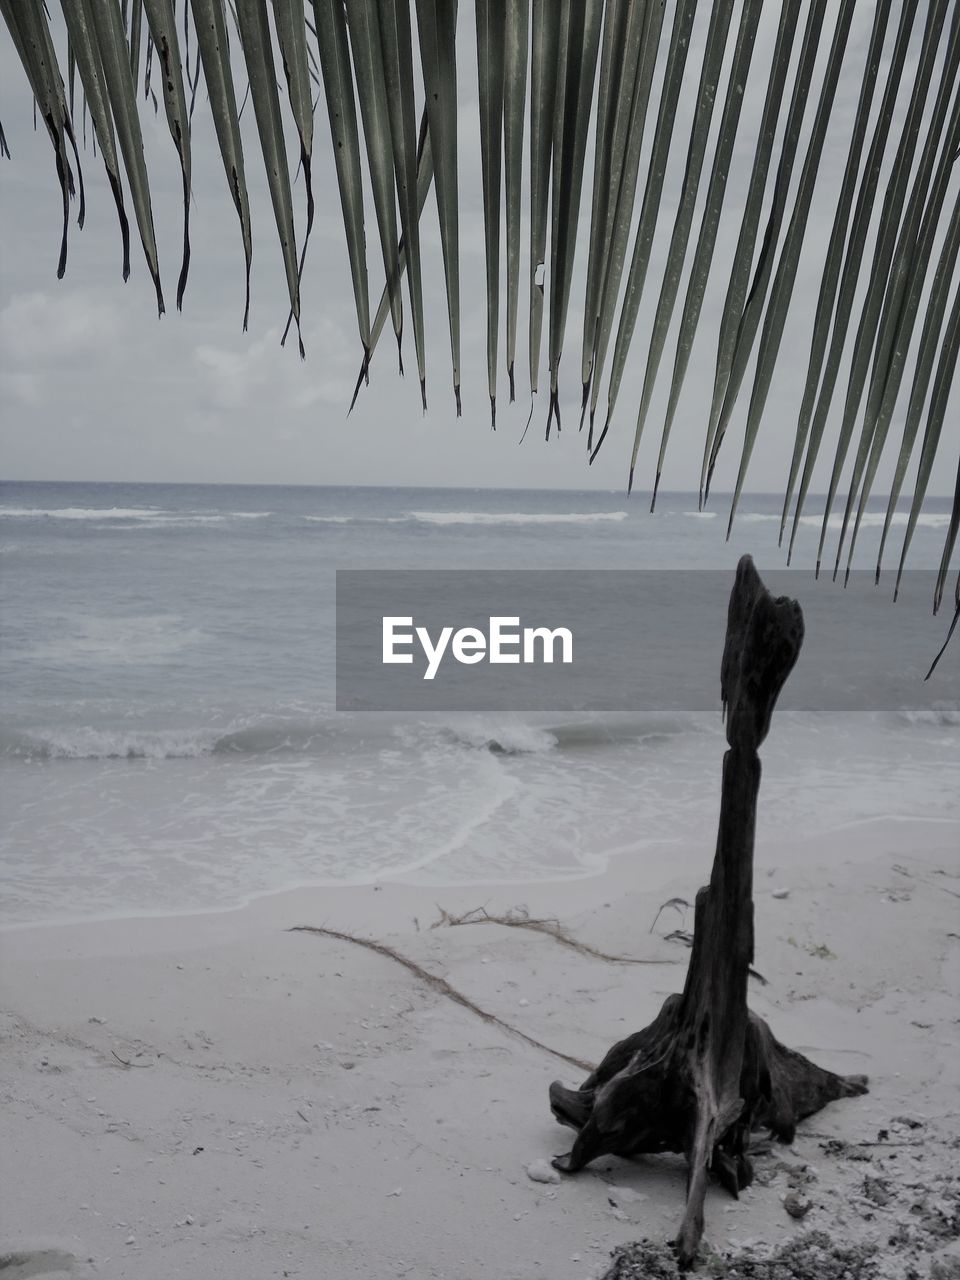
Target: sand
x=295 y=1105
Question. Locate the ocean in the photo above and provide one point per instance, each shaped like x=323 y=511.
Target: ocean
x=170 y=741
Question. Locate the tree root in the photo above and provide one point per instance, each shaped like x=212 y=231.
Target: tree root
x=707 y=1072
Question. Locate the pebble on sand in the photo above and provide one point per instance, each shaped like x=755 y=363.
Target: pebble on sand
x=796 y=1205
x=542 y=1171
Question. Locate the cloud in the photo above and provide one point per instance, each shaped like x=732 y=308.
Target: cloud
x=38 y=330
x=260 y=374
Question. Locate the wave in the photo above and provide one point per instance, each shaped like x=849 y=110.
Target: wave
x=84 y=743
x=121 y=640
x=88 y=743
x=131 y=517
x=478 y=517
x=321 y=735
x=939 y=714
x=515 y=737
x=167 y=522
x=869 y=520
x=356 y=519
x=516 y=517
x=503 y=739
x=82 y=513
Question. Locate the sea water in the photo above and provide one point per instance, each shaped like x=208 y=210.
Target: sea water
x=170 y=740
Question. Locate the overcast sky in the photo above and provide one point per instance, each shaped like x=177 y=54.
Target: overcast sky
x=94 y=386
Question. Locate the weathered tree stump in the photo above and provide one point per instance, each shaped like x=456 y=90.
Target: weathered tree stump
x=707 y=1072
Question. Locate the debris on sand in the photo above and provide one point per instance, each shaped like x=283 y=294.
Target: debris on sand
x=813 y=1256
x=542 y=1171
x=796 y=1204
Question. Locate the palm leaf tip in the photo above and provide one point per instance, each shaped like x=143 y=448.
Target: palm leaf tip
x=28 y=28
x=553 y=411
x=363 y=25
x=337 y=74
x=163 y=35
x=396 y=53
x=943 y=649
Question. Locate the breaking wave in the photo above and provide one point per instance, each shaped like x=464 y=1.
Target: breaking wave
x=479 y=518
x=939 y=714
x=517 y=517
x=325 y=735
x=131 y=517
x=869 y=520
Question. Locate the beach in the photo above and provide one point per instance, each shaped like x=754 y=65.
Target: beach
x=217 y=1095
x=243 y=1033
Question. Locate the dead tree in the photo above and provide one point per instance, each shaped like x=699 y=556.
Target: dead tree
x=707 y=1072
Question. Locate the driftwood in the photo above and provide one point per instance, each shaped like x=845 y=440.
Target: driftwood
x=707 y=1072
x=440 y=985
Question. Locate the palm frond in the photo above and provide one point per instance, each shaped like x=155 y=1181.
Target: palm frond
x=631 y=122
x=929 y=345
x=709 y=83
x=737 y=287
x=834 y=255
x=544 y=54
x=601 y=65
x=254 y=29
x=364 y=27
x=893 y=202
x=902 y=299
x=815 y=407
x=85 y=58
x=710 y=225
x=516 y=39
x=437 y=25
x=163 y=32
x=491 y=31
x=947 y=367
x=424 y=180
x=107 y=22
x=579 y=48
x=749 y=321
x=786 y=273
x=649 y=212
x=397 y=45
x=27 y=25
x=337 y=75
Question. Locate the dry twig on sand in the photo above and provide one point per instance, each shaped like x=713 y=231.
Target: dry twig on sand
x=519 y=918
x=125 y=1062
x=442 y=986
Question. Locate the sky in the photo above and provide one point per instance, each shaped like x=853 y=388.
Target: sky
x=93 y=386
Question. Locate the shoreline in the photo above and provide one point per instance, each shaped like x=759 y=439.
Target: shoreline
x=558 y=889
x=308 y=1106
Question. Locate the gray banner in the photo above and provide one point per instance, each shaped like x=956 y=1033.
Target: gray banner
x=479 y=640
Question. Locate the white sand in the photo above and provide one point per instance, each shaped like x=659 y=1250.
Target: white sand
x=299 y=1106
